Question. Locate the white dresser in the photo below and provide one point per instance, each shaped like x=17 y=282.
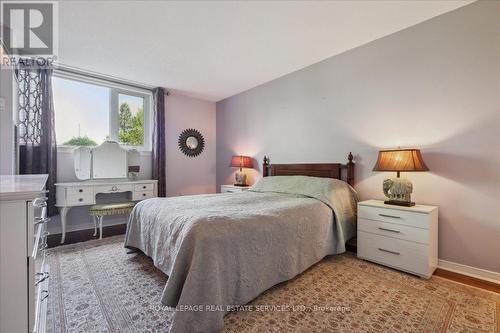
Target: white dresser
x=24 y=273
x=405 y=238
x=233 y=188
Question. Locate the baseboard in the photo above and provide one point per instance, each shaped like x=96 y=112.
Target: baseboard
x=474 y=272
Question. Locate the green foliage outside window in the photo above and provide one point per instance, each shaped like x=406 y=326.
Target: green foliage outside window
x=131 y=128
x=81 y=141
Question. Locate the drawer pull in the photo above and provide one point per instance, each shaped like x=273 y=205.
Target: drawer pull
x=114 y=188
x=389 y=251
x=40 y=202
x=46 y=292
x=144 y=187
x=44 y=277
x=392 y=216
x=390 y=230
x=80 y=199
x=144 y=194
x=80 y=190
x=41 y=220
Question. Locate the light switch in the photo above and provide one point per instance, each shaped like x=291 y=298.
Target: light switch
x=2 y=104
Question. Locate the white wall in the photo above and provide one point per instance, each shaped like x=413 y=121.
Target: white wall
x=185 y=175
x=434 y=86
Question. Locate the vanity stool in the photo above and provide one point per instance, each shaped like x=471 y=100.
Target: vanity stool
x=99 y=211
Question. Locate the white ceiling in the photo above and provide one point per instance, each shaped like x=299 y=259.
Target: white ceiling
x=215 y=49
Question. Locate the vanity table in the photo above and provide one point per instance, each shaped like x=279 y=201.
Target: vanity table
x=102 y=170
x=84 y=193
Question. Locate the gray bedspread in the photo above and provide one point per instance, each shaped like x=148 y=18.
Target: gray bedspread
x=224 y=250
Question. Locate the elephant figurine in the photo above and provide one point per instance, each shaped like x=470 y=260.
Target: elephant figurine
x=398 y=189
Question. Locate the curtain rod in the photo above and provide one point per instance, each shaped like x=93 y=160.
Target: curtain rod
x=99 y=76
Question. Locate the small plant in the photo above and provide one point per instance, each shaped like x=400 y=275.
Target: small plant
x=81 y=141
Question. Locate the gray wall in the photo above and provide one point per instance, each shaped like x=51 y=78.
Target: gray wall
x=435 y=86
x=190 y=175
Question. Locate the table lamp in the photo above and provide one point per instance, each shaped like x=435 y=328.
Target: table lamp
x=397 y=189
x=241 y=162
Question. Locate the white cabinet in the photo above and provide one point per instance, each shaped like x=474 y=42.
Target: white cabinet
x=404 y=238
x=233 y=188
x=24 y=272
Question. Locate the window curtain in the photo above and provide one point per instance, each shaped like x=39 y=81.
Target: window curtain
x=159 y=148
x=36 y=127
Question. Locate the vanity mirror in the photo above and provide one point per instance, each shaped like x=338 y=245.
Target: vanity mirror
x=82 y=158
x=109 y=160
x=134 y=163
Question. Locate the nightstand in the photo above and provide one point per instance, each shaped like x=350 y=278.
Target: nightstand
x=404 y=238
x=233 y=189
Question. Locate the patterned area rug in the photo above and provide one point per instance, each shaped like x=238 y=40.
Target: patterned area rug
x=97 y=287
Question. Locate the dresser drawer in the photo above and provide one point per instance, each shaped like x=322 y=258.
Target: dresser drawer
x=40 y=241
x=41 y=295
x=397 y=253
x=77 y=200
x=394 y=230
x=141 y=195
x=390 y=215
x=144 y=187
x=113 y=188
x=78 y=191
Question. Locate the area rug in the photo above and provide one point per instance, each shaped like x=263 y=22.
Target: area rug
x=96 y=287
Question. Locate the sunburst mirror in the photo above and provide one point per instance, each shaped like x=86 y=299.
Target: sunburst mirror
x=191 y=142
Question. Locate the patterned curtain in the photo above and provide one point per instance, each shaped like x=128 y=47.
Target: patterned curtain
x=159 y=148
x=36 y=127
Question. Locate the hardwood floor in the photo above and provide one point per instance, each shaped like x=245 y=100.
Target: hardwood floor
x=471 y=281
x=85 y=235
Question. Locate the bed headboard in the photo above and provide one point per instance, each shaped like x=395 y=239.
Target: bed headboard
x=325 y=170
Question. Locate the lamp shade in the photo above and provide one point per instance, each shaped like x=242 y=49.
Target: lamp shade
x=241 y=162
x=400 y=160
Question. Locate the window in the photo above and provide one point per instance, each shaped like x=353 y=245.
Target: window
x=131 y=120
x=90 y=111
x=81 y=112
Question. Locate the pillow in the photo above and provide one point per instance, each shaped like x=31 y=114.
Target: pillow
x=330 y=191
x=336 y=194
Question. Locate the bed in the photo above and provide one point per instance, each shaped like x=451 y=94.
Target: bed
x=223 y=250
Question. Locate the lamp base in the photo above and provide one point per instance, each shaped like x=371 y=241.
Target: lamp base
x=240 y=179
x=399 y=203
